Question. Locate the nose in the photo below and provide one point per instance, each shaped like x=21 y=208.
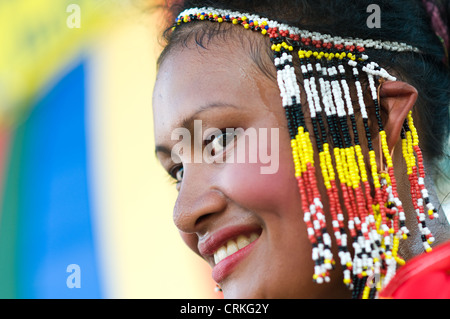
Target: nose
x=199 y=199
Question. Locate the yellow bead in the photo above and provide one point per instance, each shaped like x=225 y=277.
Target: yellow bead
x=264 y=31
x=400 y=261
x=366 y=292
x=429 y=249
x=220 y=20
x=235 y=21
x=347 y=281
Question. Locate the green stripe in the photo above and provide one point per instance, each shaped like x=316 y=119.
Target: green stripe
x=9 y=217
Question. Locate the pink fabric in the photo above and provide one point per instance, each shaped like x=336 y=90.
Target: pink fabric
x=424 y=277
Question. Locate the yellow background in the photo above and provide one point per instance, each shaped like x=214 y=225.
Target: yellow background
x=140 y=253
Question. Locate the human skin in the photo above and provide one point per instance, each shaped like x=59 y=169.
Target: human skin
x=222 y=87
x=213 y=197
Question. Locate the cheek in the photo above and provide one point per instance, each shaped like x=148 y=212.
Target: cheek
x=246 y=184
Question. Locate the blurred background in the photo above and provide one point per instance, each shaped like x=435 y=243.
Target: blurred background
x=85 y=209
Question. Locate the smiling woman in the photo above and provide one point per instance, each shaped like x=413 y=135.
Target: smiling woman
x=349 y=188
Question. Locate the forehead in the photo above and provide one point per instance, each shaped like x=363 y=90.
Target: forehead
x=195 y=73
x=191 y=77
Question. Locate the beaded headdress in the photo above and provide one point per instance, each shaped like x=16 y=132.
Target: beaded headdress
x=372 y=208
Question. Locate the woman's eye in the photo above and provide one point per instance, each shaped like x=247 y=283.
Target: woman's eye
x=177 y=173
x=220 y=142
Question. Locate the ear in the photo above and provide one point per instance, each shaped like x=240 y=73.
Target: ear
x=397 y=99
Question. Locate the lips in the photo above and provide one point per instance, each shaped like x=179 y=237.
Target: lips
x=228 y=247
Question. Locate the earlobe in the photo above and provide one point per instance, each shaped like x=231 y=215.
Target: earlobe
x=397 y=99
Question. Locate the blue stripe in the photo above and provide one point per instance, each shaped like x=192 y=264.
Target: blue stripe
x=55 y=226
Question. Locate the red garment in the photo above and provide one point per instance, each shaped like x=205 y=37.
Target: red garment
x=426 y=276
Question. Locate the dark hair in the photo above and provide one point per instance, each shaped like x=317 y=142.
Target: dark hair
x=401 y=20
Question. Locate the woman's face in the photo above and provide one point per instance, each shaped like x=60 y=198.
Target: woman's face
x=250 y=207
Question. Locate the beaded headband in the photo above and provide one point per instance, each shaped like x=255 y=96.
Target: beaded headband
x=374 y=213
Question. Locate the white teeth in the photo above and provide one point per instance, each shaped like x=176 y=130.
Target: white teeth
x=242 y=241
x=233 y=246
x=221 y=253
x=253 y=237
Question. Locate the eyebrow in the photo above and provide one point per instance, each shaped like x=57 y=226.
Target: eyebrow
x=162 y=149
x=187 y=122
